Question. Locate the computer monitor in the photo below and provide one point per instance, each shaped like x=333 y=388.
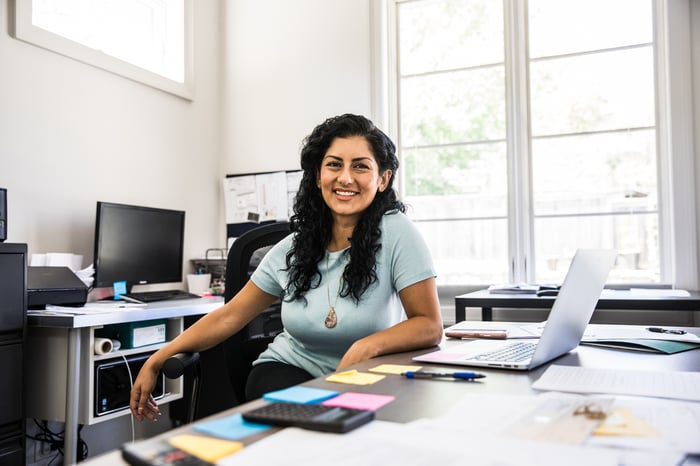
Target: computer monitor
x=137 y=245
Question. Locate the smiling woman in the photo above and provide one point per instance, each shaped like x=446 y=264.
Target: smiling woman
x=349 y=178
x=146 y=41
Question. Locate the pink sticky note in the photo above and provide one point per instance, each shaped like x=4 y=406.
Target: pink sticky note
x=366 y=401
x=442 y=356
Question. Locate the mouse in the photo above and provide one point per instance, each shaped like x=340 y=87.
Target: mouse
x=547 y=292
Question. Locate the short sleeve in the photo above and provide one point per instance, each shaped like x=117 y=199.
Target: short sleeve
x=270 y=276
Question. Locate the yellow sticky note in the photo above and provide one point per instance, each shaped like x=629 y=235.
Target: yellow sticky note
x=207 y=448
x=354 y=378
x=621 y=421
x=397 y=369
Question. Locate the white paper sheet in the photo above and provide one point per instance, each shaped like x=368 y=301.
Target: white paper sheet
x=667 y=384
x=384 y=443
x=621 y=332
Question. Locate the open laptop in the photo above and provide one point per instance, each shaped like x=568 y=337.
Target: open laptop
x=570 y=314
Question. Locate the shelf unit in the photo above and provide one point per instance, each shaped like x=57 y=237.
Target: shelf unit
x=48 y=358
x=61 y=360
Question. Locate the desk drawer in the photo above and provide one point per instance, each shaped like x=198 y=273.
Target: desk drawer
x=11 y=384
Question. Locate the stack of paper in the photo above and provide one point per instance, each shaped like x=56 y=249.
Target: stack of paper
x=514 y=288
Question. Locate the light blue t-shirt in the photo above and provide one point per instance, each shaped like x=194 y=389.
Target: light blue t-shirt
x=306 y=342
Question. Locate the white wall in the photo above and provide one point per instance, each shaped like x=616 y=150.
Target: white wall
x=71 y=135
x=695 y=45
x=266 y=73
x=288 y=65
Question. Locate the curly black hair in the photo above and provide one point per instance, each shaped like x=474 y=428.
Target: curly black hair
x=312 y=220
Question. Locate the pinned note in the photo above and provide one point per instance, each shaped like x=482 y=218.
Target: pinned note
x=396 y=369
x=297 y=394
x=354 y=377
x=230 y=427
x=207 y=448
x=365 y=401
x=622 y=421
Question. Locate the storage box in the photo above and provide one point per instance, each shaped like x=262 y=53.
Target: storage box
x=135 y=334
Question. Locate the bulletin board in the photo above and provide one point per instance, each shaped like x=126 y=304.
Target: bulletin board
x=256 y=199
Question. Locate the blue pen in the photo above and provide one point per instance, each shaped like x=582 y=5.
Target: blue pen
x=440 y=375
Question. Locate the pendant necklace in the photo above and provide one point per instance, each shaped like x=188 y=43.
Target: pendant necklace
x=332 y=319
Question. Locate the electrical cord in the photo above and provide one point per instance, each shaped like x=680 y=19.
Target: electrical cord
x=131 y=386
x=55 y=440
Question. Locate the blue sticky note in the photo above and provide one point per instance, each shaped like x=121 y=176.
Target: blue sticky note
x=119 y=289
x=231 y=427
x=302 y=395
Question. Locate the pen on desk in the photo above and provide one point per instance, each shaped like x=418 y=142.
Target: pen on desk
x=490 y=334
x=666 y=330
x=442 y=375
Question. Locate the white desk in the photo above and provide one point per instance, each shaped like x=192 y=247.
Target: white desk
x=426 y=399
x=62 y=344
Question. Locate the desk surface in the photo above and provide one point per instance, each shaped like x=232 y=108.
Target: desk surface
x=609 y=299
x=157 y=310
x=416 y=399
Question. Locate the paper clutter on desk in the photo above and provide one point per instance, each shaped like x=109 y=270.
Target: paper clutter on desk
x=57 y=259
x=65 y=259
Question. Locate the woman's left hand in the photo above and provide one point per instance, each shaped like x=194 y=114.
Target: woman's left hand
x=421 y=329
x=360 y=351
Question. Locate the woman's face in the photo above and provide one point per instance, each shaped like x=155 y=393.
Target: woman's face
x=349 y=177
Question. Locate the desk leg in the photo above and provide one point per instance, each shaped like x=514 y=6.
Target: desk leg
x=460 y=313
x=70 y=443
x=487 y=314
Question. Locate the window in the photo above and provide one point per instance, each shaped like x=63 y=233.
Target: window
x=145 y=40
x=528 y=129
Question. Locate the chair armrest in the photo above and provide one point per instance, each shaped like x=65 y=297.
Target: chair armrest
x=175 y=365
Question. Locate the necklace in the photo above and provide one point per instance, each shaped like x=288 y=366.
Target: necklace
x=332 y=319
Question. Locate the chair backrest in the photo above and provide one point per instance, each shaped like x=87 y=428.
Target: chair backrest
x=245 y=346
x=241 y=262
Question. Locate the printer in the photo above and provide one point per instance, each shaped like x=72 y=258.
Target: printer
x=54 y=285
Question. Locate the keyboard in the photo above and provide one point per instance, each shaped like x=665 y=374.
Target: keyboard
x=162 y=295
x=515 y=352
x=314 y=417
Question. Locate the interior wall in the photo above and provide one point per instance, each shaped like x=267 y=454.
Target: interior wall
x=266 y=74
x=287 y=66
x=72 y=134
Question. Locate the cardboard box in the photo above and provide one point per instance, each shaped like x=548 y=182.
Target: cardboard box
x=135 y=334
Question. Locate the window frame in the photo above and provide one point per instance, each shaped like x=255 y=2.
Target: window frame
x=23 y=29
x=676 y=172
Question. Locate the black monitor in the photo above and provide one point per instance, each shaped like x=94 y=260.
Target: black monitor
x=138 y=245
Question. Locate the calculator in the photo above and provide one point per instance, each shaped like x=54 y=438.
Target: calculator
x=314 y=417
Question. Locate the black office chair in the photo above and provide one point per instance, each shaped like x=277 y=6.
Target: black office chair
x=208 y=391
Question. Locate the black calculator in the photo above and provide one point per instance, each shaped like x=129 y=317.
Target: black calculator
x=314 y=417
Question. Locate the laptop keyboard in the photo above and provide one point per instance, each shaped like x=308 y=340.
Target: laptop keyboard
x=517 y=352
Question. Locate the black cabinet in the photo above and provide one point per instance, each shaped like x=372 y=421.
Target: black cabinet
x=13 y=305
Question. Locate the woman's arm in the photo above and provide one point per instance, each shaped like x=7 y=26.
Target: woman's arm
x=422 y=329
x=207 y=332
